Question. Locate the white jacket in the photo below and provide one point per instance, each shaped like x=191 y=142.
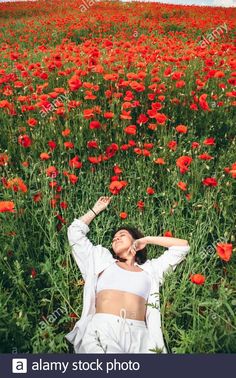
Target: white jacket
x=92 y=260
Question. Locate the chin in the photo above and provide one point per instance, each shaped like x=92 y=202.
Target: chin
x=119 y=253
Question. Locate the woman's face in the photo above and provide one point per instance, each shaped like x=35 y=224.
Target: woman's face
x=121 y=242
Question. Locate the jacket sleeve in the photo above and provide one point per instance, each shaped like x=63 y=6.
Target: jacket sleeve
x=169 y=260
x=87 y=256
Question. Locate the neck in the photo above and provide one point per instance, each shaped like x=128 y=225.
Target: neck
x=129 y=261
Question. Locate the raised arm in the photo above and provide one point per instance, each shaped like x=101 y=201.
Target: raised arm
x=168 y=261
x=84 y=252
x=99 y=206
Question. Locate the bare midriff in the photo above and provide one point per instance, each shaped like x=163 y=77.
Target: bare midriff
x=113 y=301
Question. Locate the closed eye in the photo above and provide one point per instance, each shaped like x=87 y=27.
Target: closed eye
x=117 y=236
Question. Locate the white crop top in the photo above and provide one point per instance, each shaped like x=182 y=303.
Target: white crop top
x=115 y=277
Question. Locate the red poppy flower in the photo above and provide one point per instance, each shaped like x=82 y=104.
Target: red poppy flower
x=52 y=184
x=117 y=170
x=33 y=273
x=7 y=206
x=150 y=191
x=198 y=279
x=152 y=126
x=156 y=106
x=125 y=115
x=132 y=143
x=181 y=129
x=3 y=159
x=188 y=196
x=115 y=178
x=142 y=119
x=193 y=107
x=183 y=163
x=94 y=159
x=44 y=156
x=177 y=75
x=52 y=144
x=69 y=145
x=148 y=146
x=131 y=130
x=73 y=178
x=205 y=157
x=65 y=132
x=180 y=84
x=161 y=118
x=16 y=184
x=167 y=71
x=61 y=219
x=124 y=147
x=52 y=171
x=92 y=144
x=123 y=215
x=75 y=163
x=138 y=151
x=116 y=186
x=146 y=152
x=88 y=113
x=74 y=83
x=111 y=77
x=195 y=145
x=209 y=142
x=63 y=205
x=32 y=122
x=140 y=205
x=233 y=170
x=94 y=125
x=168 y=234
x=172 y=145
x=25 y=164
x=37 y=197
x=224 y=251
x=111 y=150
x=24 y=140
x=89 y=95
x=203 y=103
x=159 y=161
x=182 y=185
x=53 y=203
x=209 y=181
x=108 y=115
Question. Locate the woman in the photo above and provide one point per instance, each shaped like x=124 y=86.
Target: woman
x=120 y=300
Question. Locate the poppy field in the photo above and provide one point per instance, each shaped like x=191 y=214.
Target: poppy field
x=130 y=99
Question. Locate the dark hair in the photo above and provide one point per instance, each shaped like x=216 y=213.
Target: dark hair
x=141 y=255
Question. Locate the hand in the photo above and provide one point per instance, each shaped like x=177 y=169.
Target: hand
x=138 y=244
x=101 y=204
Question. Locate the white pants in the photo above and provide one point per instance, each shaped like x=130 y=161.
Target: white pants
x=107 y=333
